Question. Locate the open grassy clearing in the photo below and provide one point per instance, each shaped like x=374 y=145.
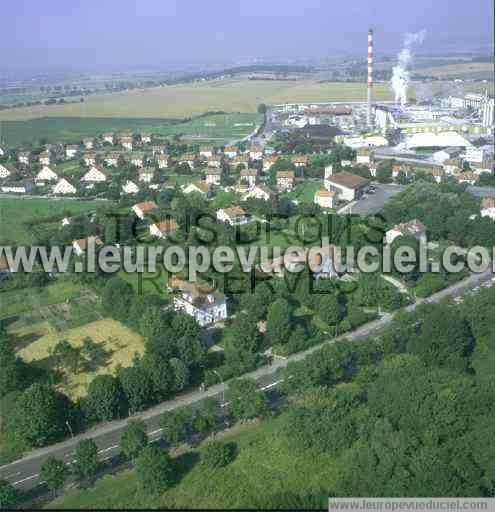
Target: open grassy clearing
x=178 y=101
x=216 y=127
x=305 y=192
x=119 y=345
x=15 y=212
x=15 y=302
x=265 y=466
x=193 y=99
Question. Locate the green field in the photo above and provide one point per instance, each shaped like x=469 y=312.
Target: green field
x=265 y=469
x=15 y=212
x=220 y=128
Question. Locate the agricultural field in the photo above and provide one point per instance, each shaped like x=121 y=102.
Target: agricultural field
x=179 y=101
x=14 y=213
x=116 y=343
x=219 y=128
x=465 y=68
x=265 y=467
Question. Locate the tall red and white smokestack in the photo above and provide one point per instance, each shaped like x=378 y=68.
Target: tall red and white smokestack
x=370 y=75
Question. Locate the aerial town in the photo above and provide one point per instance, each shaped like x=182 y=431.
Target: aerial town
x=284 y=378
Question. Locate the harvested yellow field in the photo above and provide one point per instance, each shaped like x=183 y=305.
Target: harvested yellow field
x=117 y=341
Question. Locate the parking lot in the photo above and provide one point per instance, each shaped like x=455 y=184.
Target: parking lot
x=372 y=202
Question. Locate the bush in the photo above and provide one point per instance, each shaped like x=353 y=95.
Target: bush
x=217 y=454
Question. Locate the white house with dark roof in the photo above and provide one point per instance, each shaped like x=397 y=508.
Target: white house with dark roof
x=204 y=303
x=234 y=215
x=348 y=186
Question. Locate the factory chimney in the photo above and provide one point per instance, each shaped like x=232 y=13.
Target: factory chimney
x=370 y=75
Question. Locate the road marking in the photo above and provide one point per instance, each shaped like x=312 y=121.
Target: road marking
x=109 y=448
x=26 y=479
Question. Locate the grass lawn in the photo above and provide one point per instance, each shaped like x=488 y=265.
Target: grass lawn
x=305 y=192
x=265 y=467
x=217 y=128
x=117 y=341
x=15 y=212
x=15 y=302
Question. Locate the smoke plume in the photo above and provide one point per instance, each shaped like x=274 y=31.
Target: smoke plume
x=400 y=73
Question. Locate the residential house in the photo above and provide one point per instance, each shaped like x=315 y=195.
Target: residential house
x=206 y=152
x=268 y=162
x=213 y=176
x=446 y=154
x=95 y=174
x=346 y=163
x=255 y=152
x=249 y=176
x=189 y=159
x=234 y=215
x=44 y=158
x=488 y=207
x=321 y=262
x=7 y=170
x=24 y=157
x=88 y=143
x=108 y=137
x=137 y=159
x=241 y=160
x=475 y=154
x=452 y=166
x=146 y=174
x=215 y=162
x=231 y=151
x=63 y=187
x=324 y=198
x=482 y=167
x=146 y=138
x=204 y=303
x=126 y=143
x=71 y=151
x=156 y=150
x=258 y=192
x=197 y=187
x=130 y=187
x=46 y=174
x=80 y=246
x=143 y=209
x=112 y=159
x=2 y=151
x=468 y=177
x=89 y=159
x=348 y=186
x=414 y=228
x=163 y=228
x=299 y=160
x=162 y=161
x=17 y=187
x=363 y=156
x=285 y=181
x=437 y=172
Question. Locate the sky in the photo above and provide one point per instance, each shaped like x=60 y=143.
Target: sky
x=118 y=34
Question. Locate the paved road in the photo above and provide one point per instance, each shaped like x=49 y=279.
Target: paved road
x=24 y=473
